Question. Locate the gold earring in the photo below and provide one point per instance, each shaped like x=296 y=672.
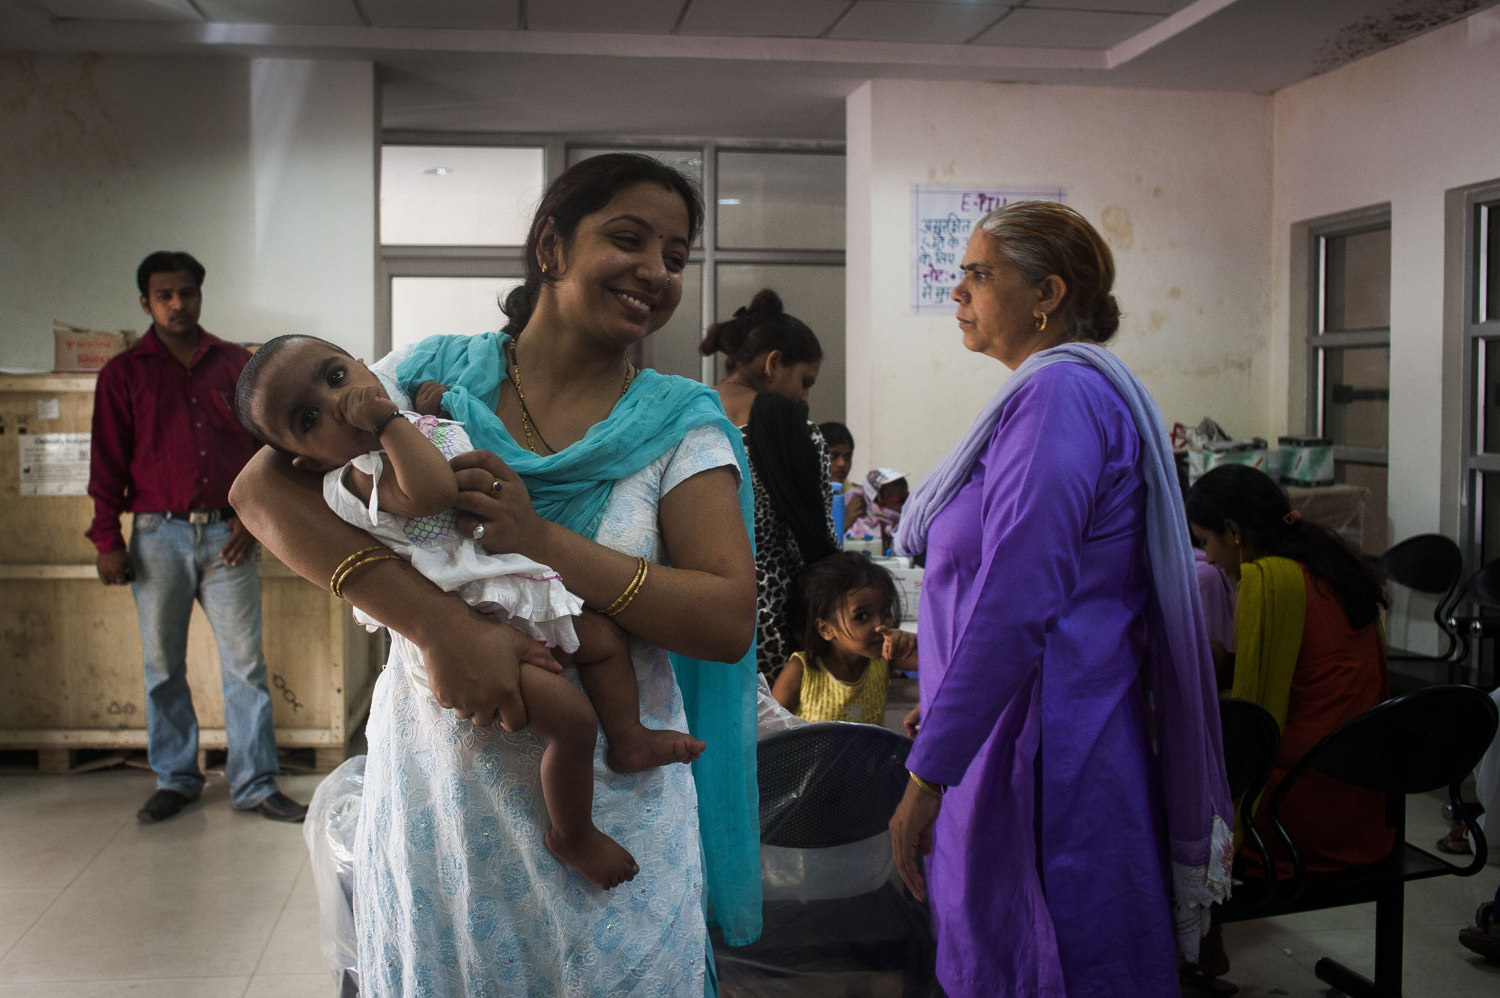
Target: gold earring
x=544 y=268
x=1041 y=322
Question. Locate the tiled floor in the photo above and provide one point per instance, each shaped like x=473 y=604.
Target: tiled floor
x=216 y=904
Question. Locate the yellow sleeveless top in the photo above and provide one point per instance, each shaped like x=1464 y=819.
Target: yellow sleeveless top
x=827 y=698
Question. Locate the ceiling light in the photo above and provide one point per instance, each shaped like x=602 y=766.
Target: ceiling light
x=437 y=171
x=729 y=200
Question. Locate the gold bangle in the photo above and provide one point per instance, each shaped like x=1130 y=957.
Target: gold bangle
x=635 y=581
x=343 y=565
x=337 y=588
x=628 y=596
x=926 y=786
x=635 y=592
x=347 y=565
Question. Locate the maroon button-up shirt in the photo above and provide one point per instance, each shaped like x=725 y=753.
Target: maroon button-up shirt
x=165 y=436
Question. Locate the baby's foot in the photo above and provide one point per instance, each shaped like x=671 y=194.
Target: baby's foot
x=595 y=855
x=642 y=748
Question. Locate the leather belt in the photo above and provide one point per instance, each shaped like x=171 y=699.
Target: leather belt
x=198 y=517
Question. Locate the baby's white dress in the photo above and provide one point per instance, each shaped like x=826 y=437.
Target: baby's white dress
x=530 y=594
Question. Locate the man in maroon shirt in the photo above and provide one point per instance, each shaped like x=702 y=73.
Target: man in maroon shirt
x=166 y=447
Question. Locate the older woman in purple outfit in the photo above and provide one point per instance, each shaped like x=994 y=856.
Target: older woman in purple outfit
x=1060 y=627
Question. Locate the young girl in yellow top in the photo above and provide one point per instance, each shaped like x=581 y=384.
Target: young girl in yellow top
x=851 y=614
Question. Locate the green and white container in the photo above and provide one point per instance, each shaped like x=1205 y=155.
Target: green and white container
x=1306 y=461
x=1248 y=452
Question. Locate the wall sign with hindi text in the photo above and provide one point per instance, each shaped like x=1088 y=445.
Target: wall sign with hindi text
x=942 y=218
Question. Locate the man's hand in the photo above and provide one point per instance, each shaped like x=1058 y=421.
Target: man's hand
x=474 y=667
x=367 y=405
x=240 y=546
x=429 y=398
x=115 y=568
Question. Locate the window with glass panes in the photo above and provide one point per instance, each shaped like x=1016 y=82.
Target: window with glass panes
x=454 y=216
x=1348 y=362
x=1479 y=520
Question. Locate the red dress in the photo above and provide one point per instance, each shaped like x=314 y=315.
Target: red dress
x=1340 y=674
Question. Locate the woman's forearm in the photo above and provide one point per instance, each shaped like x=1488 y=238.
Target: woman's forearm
x=473 y=660
x=691 y=611
x=704 y=606
x=284 y=508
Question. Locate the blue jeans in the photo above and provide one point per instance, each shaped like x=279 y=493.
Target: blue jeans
x=176 y=562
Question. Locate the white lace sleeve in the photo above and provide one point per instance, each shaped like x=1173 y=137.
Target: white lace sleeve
x=702 y=448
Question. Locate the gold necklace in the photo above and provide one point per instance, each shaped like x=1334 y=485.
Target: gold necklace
x=527 y=423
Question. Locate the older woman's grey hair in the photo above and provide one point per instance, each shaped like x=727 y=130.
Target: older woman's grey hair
x=1043 y=238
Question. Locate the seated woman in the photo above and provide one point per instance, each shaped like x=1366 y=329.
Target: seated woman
x=1309 y=649
x=840 y=443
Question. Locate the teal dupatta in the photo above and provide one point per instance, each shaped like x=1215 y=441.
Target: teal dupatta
x=572 y=488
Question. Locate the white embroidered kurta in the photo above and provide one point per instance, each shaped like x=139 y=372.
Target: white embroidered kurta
x=455 y=892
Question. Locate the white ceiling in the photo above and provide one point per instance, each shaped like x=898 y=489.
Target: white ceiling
x=732 y=68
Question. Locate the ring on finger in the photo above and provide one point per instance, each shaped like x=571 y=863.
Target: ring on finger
x=495 y=487
x=478 y=532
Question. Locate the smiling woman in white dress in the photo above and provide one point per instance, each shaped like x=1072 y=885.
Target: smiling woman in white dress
x=632 y=487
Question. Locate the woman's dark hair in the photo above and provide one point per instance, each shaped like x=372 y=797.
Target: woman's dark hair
x=1261 y=509
x=168 y=262
x=786 y=458
x=1043 y=238
x=582 y=189
x=835 y=433
x=756 y=330
x=822 y=589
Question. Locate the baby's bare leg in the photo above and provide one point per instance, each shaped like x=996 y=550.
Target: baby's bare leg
x=603 y=660
x=559 y=713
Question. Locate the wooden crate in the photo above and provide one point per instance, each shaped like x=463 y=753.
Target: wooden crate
x=70 y=650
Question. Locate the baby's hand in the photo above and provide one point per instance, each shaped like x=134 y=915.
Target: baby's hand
x=365 y=406
x=899 y=647
x=429 y=398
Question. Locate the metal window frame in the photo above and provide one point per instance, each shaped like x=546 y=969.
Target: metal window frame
x=1318 y=340
x=1481 y=209
x=507 y=261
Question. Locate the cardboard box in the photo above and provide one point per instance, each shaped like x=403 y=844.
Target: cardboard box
x=78 y=349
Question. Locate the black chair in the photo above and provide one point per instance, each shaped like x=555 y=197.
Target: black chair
x=1251 y=741
x=823 y=786
x=1412 y=744
x=1431 y=564
x=1480 y=597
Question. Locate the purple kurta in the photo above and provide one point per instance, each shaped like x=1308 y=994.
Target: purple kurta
x=1048 y=875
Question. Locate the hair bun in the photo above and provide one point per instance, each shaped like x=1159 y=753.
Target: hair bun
x=1106 y=319
x=765 y=303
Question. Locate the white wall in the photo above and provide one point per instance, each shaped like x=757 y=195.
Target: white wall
x=1178 y=183
x=1403 y=126
x=264 y=170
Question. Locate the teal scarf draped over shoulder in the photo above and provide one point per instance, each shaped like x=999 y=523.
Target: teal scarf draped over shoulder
x=572 y=488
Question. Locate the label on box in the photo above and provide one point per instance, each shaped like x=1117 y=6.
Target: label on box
x=49 y=408
x=54 y=464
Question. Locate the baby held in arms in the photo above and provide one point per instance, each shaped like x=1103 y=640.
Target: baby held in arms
x=387 y=472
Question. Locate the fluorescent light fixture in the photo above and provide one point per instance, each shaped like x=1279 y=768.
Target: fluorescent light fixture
x=729 y=200
x=437 y=171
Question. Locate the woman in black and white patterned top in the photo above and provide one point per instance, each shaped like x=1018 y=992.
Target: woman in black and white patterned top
x=771 y=362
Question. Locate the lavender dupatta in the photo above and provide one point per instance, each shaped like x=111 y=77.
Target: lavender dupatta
x=1184 y=697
